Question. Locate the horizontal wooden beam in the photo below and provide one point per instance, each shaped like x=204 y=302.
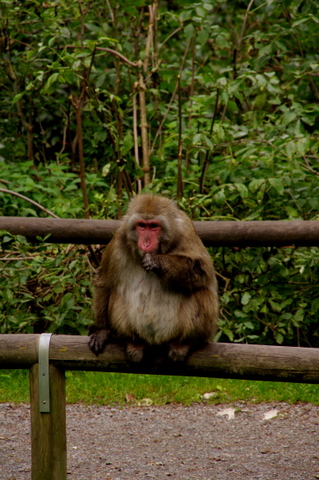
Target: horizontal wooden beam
x=219 y=360
x=213 y=233
x=61 y=230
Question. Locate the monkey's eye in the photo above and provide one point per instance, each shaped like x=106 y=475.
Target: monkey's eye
x=153 y=226
x=141 y=225
x=148 y=225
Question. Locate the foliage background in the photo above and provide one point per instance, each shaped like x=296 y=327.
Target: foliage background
x=213 y=103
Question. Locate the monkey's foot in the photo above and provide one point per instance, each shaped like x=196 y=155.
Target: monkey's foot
x=98 y=340
x=177 y=352
x=135 y=352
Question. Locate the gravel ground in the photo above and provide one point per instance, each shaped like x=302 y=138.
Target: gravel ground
x=199 y=442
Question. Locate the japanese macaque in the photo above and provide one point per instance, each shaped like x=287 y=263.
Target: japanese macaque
x=156 y=284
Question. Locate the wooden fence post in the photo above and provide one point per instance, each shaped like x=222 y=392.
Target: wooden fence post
x=48 y=430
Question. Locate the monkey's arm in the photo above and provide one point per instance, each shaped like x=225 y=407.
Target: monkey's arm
x=181 y=272
x=100 y=331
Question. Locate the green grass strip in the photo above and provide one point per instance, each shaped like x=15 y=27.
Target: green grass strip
x=119 y=389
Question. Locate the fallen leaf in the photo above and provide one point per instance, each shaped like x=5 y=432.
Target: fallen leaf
x=145 y=402
x=229 y=412
x=271 y=414
x=209 y=395
x=129 y=398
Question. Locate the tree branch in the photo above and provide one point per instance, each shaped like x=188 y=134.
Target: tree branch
x=3 y=190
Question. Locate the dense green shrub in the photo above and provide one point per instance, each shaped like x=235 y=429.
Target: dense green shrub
x=43 y=288
x=243 y=113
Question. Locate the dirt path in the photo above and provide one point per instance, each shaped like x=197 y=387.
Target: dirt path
x=200 y=442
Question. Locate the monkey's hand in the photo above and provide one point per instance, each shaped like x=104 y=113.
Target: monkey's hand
x=150 y=262
x=98 y=340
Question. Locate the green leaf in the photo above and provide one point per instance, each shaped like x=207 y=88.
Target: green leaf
x=189 y=31
x=128 y=143
x=299 y=316
x=49 y=83
x=203 y=36
x=100 y=135
x=51 y=42
x=200 y=11
x=279 y=338
x=106 y=169
x=240 y=314
x=303 y=145
x=249 y=325
x=245 y=298
x=242 y=189
x=277 y=184
x=220 y=196
x=290 y=148
x=185 y=15
x=255 y=184
x=17 y=97
x=275 y=306
x=229 y=334
x=287 y=118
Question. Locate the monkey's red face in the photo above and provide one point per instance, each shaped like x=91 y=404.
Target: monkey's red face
x=148 y=235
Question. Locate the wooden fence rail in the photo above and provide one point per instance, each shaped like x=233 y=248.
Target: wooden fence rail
x=212 y=233
x=218 y=360
x=64 y=352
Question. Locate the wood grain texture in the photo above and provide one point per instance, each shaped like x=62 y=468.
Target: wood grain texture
x=219 y=360
x=212 y=233
x=48 y=430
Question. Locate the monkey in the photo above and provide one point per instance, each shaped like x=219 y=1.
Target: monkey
x=156 y=285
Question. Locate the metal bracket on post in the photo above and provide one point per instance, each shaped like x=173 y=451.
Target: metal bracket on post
x=44 y=377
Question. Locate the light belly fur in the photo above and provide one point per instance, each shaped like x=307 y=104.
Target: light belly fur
x=142 y=306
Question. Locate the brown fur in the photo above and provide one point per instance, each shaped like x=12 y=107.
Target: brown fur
x=167 y=297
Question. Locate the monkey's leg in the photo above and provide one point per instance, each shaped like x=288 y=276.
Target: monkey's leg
x=135 y=351
x=178 y=352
